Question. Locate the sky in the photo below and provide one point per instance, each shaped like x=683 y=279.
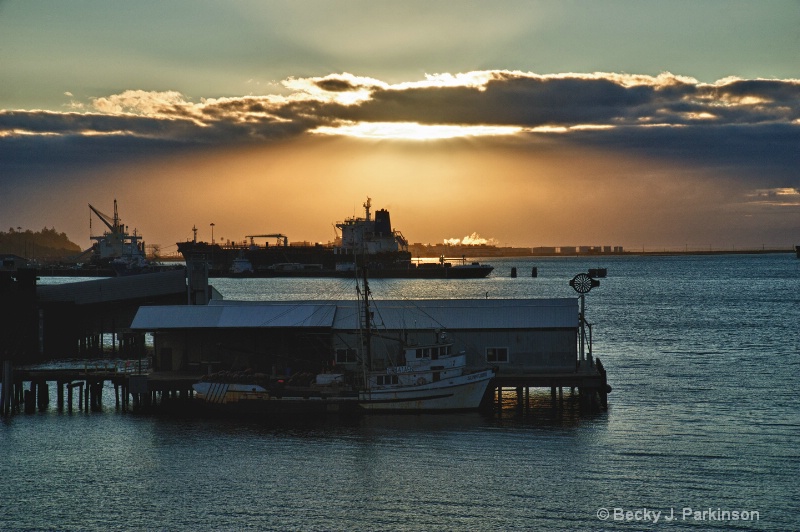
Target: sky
x=642 y=124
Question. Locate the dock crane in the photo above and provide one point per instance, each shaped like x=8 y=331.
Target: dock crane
x=114 y=224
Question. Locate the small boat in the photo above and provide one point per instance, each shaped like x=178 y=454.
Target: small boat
x=256 y=394
x=432 y=379
x=598 y=273
x=428 y=378
x=241 y=267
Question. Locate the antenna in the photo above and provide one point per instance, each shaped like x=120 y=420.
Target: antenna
x=367 y=205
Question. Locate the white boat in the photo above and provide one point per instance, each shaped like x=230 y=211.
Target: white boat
x=432 y=379
x=254 y=395
x=241 y=267
x=427 y=378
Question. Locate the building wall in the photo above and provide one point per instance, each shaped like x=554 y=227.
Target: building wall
x=270 y=351
x=529 y=350
x=288 y=351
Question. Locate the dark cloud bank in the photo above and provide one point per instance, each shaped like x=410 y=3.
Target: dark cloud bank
x=750 y=129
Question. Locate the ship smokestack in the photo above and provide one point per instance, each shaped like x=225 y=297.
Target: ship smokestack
x=383 y=226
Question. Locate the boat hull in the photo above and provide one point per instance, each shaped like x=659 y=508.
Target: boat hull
x=464 y=392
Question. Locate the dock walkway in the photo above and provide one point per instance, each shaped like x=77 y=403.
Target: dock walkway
x=141 y=389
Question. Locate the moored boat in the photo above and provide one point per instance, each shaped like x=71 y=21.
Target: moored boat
x=367 y=241
x=432 y=379
x=425 y=377
x=428 y=378
x=254 y=395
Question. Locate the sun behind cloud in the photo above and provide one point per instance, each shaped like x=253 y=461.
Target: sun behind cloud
x=413 y=131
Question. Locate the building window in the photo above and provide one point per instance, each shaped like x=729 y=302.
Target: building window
x=496 y=354
x=346 y=356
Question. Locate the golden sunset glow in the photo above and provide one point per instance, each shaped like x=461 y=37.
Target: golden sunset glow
x=534 y=124
x=414 y=131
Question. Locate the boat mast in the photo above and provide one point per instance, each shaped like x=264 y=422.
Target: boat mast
x=367 y=338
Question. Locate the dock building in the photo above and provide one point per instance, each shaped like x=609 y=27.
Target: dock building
x=517 y=336
x=530 y=343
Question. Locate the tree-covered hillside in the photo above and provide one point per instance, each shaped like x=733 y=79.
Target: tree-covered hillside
x=47 y=244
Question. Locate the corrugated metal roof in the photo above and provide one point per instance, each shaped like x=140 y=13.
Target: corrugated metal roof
x=115 y=289
x=265 y=315
x=343 y=315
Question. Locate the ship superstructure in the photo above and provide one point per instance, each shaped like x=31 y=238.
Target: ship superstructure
x=371 y=240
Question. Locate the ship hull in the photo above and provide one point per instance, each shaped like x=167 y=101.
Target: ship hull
x=319 y=261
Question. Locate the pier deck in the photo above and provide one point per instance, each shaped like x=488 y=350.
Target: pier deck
x=146 y=389
x=151 y=388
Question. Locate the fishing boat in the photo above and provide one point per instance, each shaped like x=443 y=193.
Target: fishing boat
x=429 y=378
x=432 y=379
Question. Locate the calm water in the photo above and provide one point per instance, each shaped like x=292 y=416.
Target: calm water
x=703 y=354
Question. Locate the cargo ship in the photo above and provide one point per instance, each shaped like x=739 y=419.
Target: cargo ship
x=368 y=241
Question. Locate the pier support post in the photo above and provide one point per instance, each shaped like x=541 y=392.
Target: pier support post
x=60 y=400
x=86 y=393
x=43 y=399
x=30 y=398
x=8 y=386
x=19 y=395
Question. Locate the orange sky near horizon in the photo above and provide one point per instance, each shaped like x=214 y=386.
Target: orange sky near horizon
x=434 y=190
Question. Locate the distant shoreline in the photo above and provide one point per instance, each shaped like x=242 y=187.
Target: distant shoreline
x=485 y=253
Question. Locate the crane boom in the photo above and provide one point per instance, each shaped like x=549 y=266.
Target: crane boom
x=113 y=224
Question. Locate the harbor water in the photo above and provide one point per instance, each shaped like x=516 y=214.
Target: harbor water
x=703 y=353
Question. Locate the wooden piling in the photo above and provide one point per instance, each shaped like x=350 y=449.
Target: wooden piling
x=30 y=398
x=8 y=388
x=60 y=400
x=43 y=397
x=86 y=394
